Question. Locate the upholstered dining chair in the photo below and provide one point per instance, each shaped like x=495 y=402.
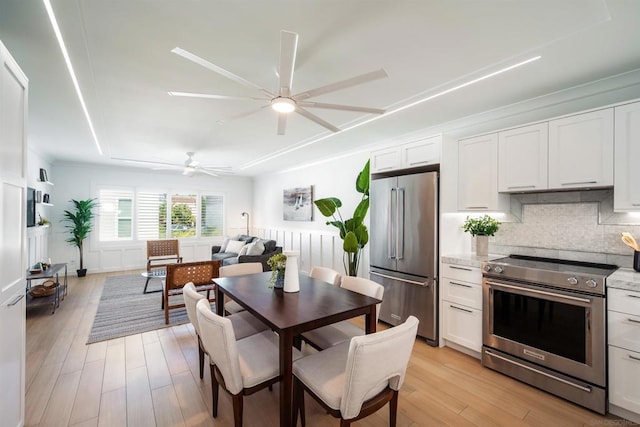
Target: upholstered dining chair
x=326 y=274
x=232 y=307
x=201 y=274
x=244 y=324
x=242 y=367
x=336 y=333
x=356 y=378
x=160 y=253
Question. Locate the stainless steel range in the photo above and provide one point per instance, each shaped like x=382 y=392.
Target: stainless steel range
x=544 y=323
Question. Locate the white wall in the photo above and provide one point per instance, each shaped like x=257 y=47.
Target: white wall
x=318 y=243
x=79 y=181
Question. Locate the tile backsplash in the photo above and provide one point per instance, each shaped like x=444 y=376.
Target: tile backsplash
x=565 y=230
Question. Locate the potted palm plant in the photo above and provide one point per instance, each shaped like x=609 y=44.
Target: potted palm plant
x=80 y=224
x=353 y=232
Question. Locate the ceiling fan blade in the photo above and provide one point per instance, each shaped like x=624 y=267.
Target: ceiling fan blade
x=206 y=64
x=148 y=162
x=340 y=107
x=282 y=123
x=211 y=96
x=206 y=172
x=316 y=119
x=288 y=49
x=243 y=114
x=353 y=81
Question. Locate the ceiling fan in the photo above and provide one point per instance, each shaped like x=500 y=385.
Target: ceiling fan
x=189 y=167
x=284 y=102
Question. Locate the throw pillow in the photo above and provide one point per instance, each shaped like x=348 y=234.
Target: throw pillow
x=223 y=247
x=234 y=246
x=243 y=251
x=255 y=248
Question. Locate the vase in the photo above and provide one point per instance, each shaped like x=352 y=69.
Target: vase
x=279 y=282
x=482 y=245
x=291 y=279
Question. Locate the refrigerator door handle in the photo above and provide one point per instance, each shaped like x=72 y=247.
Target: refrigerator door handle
x=400 y=223
x=413 y=282
x=390 y=230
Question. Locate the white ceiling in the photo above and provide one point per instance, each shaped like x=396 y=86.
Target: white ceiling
x=121 y=53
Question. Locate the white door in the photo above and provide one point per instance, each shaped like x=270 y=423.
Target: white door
x=13 y=111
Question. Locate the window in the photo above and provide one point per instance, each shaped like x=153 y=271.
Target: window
x=152 y=216
x=211 y=216
x=183 y=215
x=115 y=215
x=127 y=215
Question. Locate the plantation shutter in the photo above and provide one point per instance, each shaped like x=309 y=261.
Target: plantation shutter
x=211 y=216
x=152 y=216
x=114 y=220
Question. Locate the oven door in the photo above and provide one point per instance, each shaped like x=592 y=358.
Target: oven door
x=557 y=329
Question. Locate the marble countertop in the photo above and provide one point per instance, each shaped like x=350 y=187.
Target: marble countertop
x=624 y=278
x=468 y=259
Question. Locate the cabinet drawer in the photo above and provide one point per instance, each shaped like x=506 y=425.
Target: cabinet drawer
x=462 y=325
x=465 y=293
x=462 y=272
x=624 y=330
x=624 y=377
x=624 y=301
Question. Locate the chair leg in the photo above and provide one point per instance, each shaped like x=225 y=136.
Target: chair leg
x=345 y=423
x=237 y=409
x=166 y=309
x=214 y=391
x=393 y=410
x=201 y=358
x=298 y=403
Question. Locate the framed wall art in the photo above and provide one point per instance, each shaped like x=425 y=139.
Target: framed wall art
x=297 y=204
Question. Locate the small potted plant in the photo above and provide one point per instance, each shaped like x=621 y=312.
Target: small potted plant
x=481 y=228
x=277 y=263
x=80 y=225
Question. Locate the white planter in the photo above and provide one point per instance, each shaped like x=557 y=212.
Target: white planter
x=482 y=245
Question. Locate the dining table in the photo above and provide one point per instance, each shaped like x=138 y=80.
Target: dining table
x=290 y=314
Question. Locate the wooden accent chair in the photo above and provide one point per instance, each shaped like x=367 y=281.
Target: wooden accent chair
x=356 y=378
x=242 y=367
x=244 y=323
x=330 y=335
x=160 y=253
x=326 y=275
x=201 y=274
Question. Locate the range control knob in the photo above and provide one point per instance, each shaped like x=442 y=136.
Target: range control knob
x=592 y=283
x=572 y=280
x=498 y=269
x=487 y=267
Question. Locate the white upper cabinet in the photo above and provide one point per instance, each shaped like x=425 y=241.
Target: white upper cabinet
x=522 y=158
x=478 y=175
x=581 y=150
x=626 y=193
x=412 y=154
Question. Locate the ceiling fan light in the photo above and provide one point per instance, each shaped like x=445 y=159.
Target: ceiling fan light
x=283 y=105
x=188 y=170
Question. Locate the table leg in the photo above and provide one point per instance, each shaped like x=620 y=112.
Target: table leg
x=219 y=302
x=286 y=380
x=370 y=321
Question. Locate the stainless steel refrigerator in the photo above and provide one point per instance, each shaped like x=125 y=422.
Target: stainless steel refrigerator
x=404 y=249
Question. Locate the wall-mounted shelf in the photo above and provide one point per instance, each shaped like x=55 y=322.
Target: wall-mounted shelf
x=47 y=182
x=46 y=204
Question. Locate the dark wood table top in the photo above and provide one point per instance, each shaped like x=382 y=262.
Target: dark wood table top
x=316 y=304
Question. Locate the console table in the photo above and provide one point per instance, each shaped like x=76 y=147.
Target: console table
x=61 y=288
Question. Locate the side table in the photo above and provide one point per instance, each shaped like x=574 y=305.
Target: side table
x=156 y=273
x=61 y=288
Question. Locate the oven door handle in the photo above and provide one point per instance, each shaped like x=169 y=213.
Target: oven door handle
x=545 y=293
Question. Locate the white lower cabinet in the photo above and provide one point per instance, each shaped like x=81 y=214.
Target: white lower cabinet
x=461 y=295
x=624 y=352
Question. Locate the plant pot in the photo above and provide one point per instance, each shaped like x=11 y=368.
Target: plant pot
x=279 y=283
x=482 y=245
x=82 y=272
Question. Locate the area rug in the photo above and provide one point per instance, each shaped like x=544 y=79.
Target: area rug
x=124 y=310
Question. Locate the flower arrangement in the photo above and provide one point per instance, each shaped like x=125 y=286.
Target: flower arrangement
x=483 y=226
x=277 y=263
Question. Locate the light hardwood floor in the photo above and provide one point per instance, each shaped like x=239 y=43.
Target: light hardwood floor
x=151 y=379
